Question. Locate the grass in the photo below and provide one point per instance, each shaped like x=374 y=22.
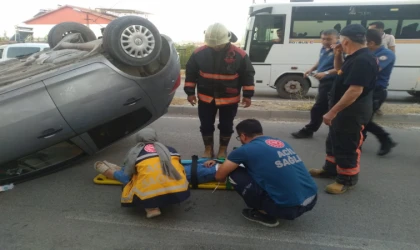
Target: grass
x=306 y=105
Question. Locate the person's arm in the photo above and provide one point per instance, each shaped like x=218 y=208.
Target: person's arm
x=391 y=44
x=191 y=75
x=352 y=93
x=246 y=77
x=385 y=59
x=338 y=61
x=232 y=162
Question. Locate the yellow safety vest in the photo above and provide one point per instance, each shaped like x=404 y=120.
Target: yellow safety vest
x=149 y=181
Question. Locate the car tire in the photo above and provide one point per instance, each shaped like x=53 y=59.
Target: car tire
x=292 y=87
x=59 y=31
x=132 y=40
x=414 y=93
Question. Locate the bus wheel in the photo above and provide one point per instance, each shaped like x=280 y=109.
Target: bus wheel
x=292 y=87
x=414 y=93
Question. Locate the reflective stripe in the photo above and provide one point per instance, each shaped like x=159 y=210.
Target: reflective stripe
x=160 y=191
x=218 y=77
x=308 y=201
x=330 y=159
x=231 y=100
x=356 y=169
x=190 y=84
x=205 y=98
x=248 y=87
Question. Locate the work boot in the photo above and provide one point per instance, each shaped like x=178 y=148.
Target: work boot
x=386 y=146
x=223 y=144
x=337 y=188
x=320 y=173
x=208 y=145
x=302 y=134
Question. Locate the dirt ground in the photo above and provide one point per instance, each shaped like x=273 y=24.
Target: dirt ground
x=280 y=105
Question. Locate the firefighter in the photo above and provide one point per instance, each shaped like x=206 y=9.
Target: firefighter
x=386 y=59
x=219 y=70
x=351 y=108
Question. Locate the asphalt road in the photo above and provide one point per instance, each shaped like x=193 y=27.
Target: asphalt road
x=66 y=210
x=263 y=92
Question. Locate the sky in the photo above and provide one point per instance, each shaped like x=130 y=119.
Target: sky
x=182 y=20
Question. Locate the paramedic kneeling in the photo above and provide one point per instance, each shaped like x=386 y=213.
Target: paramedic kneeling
x=274 y=183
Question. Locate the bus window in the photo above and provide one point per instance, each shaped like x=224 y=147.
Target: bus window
x=267 y=30
x=410 y=29
x=313 y=29
x=390 y=25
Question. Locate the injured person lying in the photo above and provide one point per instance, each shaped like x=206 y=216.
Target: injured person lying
x=143 y=176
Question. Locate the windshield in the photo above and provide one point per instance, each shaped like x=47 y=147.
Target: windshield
x=14 y=52
x=1 y=53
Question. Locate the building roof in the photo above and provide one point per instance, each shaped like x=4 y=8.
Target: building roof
x=93 y=12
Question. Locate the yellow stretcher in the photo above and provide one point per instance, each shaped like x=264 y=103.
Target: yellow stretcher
x=102 y=180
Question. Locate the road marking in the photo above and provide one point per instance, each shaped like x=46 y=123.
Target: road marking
x=251 y=232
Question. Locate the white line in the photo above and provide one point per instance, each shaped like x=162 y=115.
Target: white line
x=303 y=238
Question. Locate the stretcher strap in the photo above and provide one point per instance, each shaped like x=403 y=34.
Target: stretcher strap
x=194 y=165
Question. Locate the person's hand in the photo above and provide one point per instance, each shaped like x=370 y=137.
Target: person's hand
x=328 y=117
x=246 y=102
x=192 y=99
x=338 y=49
x=307 y=73
x=210 y=163
x=319 y=76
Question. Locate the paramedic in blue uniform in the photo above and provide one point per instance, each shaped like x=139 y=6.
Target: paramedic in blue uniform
x=326 y=75
x=351 y=106
x=386 y=59
x=274 y=182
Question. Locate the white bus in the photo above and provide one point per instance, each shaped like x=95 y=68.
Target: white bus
x=281 y=65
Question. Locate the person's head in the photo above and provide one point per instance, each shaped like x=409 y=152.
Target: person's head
x=353 y=38
x=329 y=37
x=217 y=36
x=373 y=39
x=248 y=129
x=146 y=135
x=280 y=34
x=377 y=26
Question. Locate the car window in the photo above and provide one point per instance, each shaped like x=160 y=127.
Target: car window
x=1 y=53
x=14 y=52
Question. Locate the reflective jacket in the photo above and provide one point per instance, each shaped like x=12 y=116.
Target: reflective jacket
x=148 y=182
x=219 y=75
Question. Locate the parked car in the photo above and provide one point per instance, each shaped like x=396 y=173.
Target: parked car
x=83 y=95
x=17 y=50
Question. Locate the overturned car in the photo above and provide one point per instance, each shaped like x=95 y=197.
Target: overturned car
x=83 y=94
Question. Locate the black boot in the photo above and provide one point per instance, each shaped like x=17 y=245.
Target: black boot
x=303 y=133
x=386 y=146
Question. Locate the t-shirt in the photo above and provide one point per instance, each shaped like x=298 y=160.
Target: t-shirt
x=326 y=62
x=388 y=40
x=360 y=68
x=386 y=58
x=277 y=169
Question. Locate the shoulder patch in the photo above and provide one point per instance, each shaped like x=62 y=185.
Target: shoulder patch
x=383 y=58
x=238 y=50
x=274 y=143
x=200 y=49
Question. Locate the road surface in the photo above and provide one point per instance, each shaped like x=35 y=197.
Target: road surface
x=66 y=210
x=263 y=92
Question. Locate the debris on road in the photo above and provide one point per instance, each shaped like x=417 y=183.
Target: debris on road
x=6 y=187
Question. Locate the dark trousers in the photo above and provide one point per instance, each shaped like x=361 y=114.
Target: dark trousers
x=320 y=107
x=257 y=198
x=207 y=114
x=343 y=144
x=379 y=97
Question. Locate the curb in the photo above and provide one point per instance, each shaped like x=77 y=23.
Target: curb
x=290 y=114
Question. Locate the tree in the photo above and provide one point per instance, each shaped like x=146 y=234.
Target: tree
x=185 y=51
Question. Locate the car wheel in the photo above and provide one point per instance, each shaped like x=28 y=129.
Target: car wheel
x=132 y=40
x=414 y=93
x=59 y=31
x=292 y=87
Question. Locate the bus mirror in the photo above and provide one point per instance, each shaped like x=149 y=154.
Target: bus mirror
x=250 y=23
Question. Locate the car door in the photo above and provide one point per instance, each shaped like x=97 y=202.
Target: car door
x=29 y=122
x=93 y=95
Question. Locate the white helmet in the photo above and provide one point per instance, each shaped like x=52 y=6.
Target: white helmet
x=217 y=34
